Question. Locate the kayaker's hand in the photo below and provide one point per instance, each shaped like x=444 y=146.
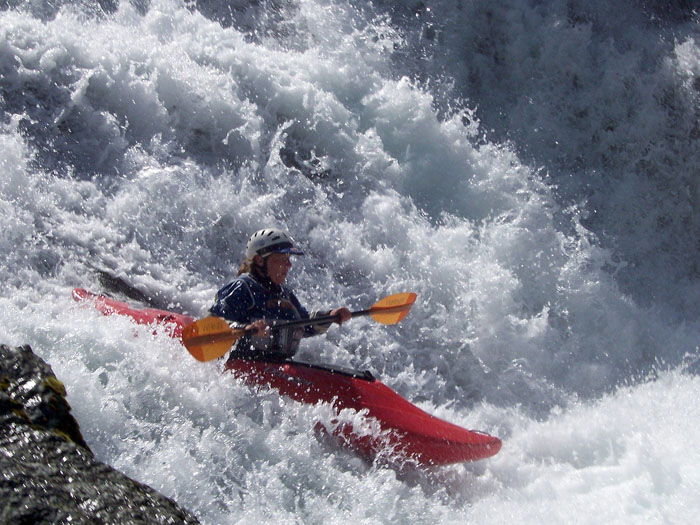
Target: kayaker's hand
x=341 y=315
x=260 y=327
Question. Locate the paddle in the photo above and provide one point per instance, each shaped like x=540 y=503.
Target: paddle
x=211 y=337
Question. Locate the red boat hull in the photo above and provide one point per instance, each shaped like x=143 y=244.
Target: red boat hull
x=406 y=430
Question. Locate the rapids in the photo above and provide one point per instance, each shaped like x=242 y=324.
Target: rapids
x=530 y=169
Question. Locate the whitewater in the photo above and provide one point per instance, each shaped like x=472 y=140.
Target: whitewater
x=529 y=169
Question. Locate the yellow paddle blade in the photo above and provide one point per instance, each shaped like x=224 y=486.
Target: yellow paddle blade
x=392 y=309
x=209 y=338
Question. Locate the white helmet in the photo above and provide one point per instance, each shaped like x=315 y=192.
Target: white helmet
x=270 y=240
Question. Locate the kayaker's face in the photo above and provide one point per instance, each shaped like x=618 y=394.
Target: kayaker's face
x=278 y=265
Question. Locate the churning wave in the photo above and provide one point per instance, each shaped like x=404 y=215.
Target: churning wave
x=528 y=168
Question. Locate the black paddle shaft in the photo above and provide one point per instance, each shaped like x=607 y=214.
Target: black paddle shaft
x=330 y=318
x=316 y=320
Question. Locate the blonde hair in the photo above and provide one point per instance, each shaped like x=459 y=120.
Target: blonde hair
x=246 y=266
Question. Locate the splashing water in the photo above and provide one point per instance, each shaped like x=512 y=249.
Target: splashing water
x=529 y=170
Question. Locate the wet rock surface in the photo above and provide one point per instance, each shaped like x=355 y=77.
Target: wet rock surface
x=47 y=472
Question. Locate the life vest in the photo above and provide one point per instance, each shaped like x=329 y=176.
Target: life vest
x=246 y=299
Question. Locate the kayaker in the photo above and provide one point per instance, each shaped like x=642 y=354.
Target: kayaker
x=258 y=297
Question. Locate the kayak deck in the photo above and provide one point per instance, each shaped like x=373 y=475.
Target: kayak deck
x=109 y=306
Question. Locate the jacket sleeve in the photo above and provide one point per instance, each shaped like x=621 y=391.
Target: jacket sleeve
x=234 y=302
x=319 y=329
x=312 y=329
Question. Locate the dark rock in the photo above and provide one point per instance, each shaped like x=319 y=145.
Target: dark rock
x=47 y=472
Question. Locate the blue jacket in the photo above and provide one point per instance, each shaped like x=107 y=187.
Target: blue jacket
x=247 y=299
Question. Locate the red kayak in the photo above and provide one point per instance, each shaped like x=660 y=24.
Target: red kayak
x=406 y=430
x=109 y=306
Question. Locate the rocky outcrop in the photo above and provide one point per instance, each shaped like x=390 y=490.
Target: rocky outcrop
x=47 y=472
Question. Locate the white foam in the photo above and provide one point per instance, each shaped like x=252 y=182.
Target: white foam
x=152 y=145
